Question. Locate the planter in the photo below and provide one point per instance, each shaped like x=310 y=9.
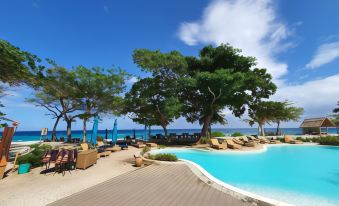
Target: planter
x=24 y=168
x=138 y=161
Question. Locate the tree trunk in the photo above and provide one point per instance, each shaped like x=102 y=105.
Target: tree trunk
x=55 y=127
x=278 y=128
x=206 y=125
x=164 y=126
x=84 y=130
x=261 y=129
x=69 y=130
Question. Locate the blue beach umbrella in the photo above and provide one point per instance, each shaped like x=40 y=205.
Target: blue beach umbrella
x=145 y=133
x=95 y=130
x=115 y=132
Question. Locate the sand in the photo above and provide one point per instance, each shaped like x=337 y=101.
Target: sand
x=40 y=189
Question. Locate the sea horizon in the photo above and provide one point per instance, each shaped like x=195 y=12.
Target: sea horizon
x=139 y=133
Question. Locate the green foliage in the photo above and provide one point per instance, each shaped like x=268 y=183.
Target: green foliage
x=34 y=157
x=164 y=157
x=145 y=150
x=221 y=77
x=153 y=100
x=160 y=146
x=17 y=66
x=329 y=140
x=217 y=134
x=205 y=140
x=263 y=112
x=237 y=134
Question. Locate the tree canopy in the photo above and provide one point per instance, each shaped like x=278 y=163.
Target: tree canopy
x=151 y=103
x=221 y=78
x=17 y=66
x=272 y=112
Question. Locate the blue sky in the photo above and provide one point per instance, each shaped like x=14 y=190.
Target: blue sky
x=298 y=41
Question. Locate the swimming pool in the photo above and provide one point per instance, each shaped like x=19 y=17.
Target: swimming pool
x=300 y=175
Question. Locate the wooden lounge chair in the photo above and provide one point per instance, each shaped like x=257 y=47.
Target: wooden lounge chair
x=245 y=142
x=138 y=144
x=150 y=144
x=251 y=138
x=115 y=148
x=289 y=139
x=215 y=144
x=232 y=145
x=263 y=140
x=238 y=141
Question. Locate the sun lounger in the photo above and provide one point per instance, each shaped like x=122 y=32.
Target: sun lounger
x=238 y=141
x=251 y=138
x=263 y=140
x=245 y=142
x=215 y=144
x=289 y=139
x=151 y=144
x=138 y=144
x=232 y=145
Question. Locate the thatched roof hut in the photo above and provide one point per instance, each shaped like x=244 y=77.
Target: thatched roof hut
x=314 y=125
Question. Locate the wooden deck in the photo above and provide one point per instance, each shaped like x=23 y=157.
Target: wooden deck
x=165 y=184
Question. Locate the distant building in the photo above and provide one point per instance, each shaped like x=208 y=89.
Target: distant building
x=316 y=125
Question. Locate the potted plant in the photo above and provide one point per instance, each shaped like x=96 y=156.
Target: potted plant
x=24 y=163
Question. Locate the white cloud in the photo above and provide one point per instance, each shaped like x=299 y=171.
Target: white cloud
x=326 y=53
x=317 y=97
x=251 y=25
x=132 y=80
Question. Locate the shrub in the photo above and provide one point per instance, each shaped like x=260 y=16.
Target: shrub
x=300 y=139
x=164 y=157
x=329 y=140
x=145 y=149
x=205 y=140
x=237 y=134
x=34 y=157
x=160 y=146
x=217 y=134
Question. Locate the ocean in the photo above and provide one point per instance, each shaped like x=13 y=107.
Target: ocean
x=35 y=135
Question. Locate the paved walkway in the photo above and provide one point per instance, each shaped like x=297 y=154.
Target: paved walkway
x=164 y=184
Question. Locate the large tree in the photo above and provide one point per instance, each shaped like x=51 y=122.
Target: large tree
x=51 y=104
x=150 y=103
x=59 y=83
x=98 y=91
x=285 y=112
x=221 y=78
x=154 y=100
x=262 y=113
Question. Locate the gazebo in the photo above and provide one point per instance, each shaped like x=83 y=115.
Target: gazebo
x=315 y=125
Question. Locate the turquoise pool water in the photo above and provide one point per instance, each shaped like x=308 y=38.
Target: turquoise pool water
x=301 y=175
